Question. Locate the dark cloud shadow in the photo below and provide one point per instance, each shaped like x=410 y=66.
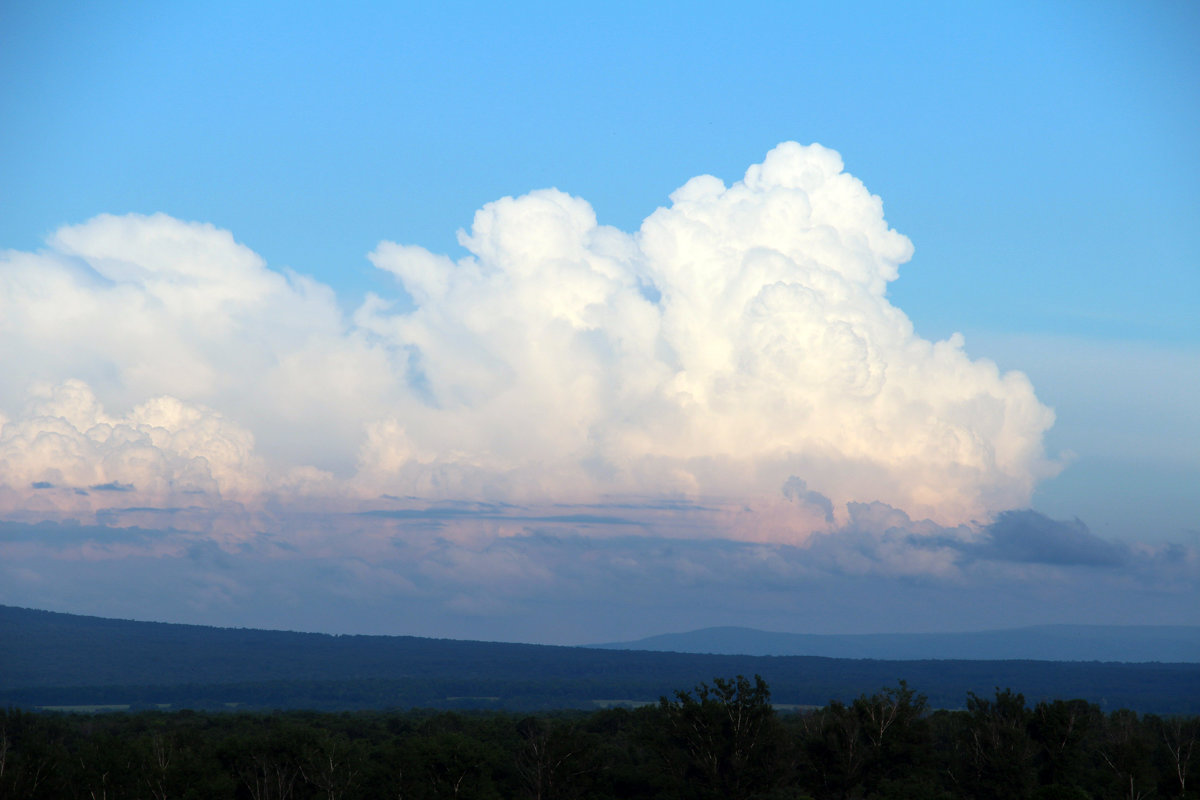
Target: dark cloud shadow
x=1027 y=537
x=112 y=486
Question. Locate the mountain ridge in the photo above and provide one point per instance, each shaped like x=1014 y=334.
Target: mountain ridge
x=1049 y=642
x=56 y=660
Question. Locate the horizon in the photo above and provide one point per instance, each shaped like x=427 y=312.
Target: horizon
x=653 y=636
x=587 y=325
x=1061 y=644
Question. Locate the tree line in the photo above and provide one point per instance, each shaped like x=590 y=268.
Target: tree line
x=722 y=739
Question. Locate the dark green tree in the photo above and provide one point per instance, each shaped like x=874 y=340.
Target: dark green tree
x=1126 y=748
x=1064 y=734
x=1179 y=747
x=723 y=740
x=878 y=746
x=998 y=747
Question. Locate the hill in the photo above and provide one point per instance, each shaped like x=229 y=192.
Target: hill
x=52 y=659
x=1041 y=642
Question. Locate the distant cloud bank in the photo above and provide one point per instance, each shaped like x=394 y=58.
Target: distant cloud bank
x=537 y=574
x=739 y=346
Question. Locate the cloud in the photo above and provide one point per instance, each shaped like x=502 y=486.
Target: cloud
x=742 y=338
x=771 y=351
x=143 y=307
x=1022 y=544
x=1030 y=537
x=65 y=442
x=537 y=579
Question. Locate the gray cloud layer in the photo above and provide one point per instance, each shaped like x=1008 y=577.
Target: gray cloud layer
x=520 y=573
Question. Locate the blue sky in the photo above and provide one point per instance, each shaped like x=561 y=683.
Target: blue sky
x=1040 y=157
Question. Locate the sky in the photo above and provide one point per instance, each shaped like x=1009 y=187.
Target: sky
x=559 y=324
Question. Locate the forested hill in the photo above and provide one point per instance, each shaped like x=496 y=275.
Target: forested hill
x=49 y=658
x=1172 y=643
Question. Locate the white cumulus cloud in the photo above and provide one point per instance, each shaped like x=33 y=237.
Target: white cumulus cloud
x=741 y=337
x=163 y=449
x=742 y=340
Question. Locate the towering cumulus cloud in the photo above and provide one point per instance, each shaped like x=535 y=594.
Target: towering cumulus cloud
x=739 y=346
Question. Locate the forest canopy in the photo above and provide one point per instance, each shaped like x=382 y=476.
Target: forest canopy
x=723 y=739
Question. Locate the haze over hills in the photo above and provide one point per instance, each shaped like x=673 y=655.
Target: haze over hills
x=49 y=659
x=1125 y=643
